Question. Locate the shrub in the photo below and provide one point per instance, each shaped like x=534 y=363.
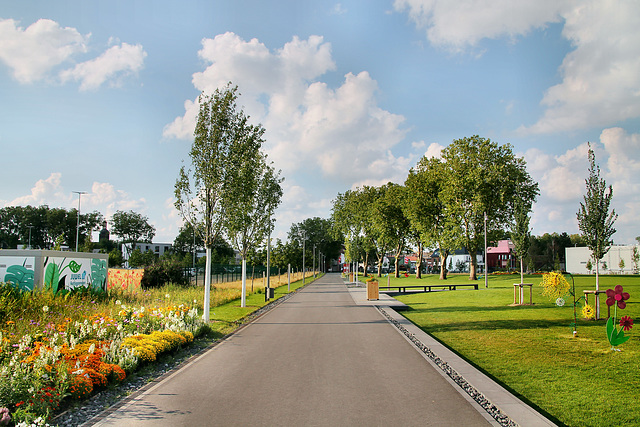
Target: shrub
x=163 y=272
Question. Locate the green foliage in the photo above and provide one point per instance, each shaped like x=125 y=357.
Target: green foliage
x=595 y=221
x=132 y=227
x=482 y=177
x=41 y=226
x=141 y=259
x=163 y=272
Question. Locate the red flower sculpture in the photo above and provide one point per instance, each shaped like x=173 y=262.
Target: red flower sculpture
x=626 y=322
x=617 y=296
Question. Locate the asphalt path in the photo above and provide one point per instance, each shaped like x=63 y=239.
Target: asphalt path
x=317 y=359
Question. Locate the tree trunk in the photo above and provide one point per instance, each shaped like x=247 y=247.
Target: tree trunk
x=521 y=270
x=473 y=266
x=443 y=265
x=597 y=289
x=419 y=263
x=207 y=285
x=396 y=273
x=243 y=300
x=380 y=258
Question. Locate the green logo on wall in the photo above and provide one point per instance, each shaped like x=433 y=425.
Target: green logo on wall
x=74 y=266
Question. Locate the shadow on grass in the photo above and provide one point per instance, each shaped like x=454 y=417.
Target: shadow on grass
x=418 y=308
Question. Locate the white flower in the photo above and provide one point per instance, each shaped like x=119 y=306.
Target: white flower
x=560 y=302
x=45 y=308
x=166 y=295
x=118 y=302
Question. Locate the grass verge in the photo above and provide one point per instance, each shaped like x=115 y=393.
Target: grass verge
x=577 y=381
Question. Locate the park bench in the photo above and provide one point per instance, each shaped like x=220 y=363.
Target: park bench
x=427 y=288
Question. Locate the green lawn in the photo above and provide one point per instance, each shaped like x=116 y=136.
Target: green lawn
x=226 y=317
x=530 y=349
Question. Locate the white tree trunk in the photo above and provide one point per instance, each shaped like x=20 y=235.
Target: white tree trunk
x=243 y=301
x=597 y=289
x=521 y=270
x=207 y=285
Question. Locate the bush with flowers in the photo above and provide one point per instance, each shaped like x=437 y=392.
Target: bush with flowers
x=68 y=345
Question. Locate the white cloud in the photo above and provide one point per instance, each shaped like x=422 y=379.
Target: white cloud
x=340 y=132
x=459 y=25
x=338 y=9
x=34 y=54
x=562 y=183
x=434 y=150
x=116 y=61
x=624 y=161
x=45 y=191
x=31 y=53
x=600 y=78
x=103 y=197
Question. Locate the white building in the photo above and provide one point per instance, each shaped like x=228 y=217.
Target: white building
x=576 y=259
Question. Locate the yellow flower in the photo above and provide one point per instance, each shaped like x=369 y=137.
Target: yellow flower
x=555 y=285
x=588 y=312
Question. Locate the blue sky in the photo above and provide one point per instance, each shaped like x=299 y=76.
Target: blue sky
x=100 y=96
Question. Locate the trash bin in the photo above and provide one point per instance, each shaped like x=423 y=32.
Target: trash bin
x=269 y=293
x=372 y=291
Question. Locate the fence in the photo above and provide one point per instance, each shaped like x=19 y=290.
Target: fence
x=223 y=273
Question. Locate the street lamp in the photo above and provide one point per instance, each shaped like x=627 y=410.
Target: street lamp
x=30 y=227
x=302 y=234
x=314 y=261
x=79 y=193
x=486 y=270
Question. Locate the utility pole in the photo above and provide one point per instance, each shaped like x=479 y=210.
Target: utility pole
x=79 y=193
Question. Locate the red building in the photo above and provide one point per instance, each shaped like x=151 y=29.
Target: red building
x=501 y=256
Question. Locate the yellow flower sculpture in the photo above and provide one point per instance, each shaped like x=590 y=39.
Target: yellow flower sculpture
x=588 y=312
x=555 y=285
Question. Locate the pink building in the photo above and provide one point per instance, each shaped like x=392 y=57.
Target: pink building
x=501 y=256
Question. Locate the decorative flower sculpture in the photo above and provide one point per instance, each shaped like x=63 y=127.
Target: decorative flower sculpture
x=616 y=295
x=616 y=337
x=626 y=323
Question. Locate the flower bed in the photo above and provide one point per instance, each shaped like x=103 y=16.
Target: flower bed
x=55 y=347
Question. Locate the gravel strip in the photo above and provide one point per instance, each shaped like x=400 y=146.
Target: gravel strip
x=491 y=409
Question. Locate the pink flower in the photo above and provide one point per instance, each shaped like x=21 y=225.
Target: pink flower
x=626 y=322
x=616 y=295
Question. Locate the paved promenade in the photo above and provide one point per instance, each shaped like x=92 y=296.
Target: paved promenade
x=317 y=359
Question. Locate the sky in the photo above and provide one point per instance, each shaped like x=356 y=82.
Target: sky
x=101 y=97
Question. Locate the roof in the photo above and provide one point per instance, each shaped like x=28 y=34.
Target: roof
x=504 y=247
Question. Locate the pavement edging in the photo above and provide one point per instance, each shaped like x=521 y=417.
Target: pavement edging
x=500 y=404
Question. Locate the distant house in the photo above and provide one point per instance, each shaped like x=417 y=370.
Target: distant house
x=458 y=261
x=501 y=256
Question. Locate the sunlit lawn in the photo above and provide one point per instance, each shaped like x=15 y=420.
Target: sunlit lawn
x=530 y=349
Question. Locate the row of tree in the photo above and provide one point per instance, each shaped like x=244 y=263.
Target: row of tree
x=230 y=190
x=43 y=227
x=445 y=203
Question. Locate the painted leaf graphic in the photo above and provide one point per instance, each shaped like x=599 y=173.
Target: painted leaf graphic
x=98 y=273
x=20 y=276
x=51 y=277
x=74 y=266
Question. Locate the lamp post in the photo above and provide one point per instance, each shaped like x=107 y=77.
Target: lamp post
x=314 y=261
x=79 y=193
x=303 y=260
x=30 y=227
x=486 y=269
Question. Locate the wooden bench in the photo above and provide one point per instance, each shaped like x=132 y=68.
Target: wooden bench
x=429 y=288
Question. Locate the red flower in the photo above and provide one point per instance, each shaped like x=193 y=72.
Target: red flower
x=626 y=322
x=617 y=296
